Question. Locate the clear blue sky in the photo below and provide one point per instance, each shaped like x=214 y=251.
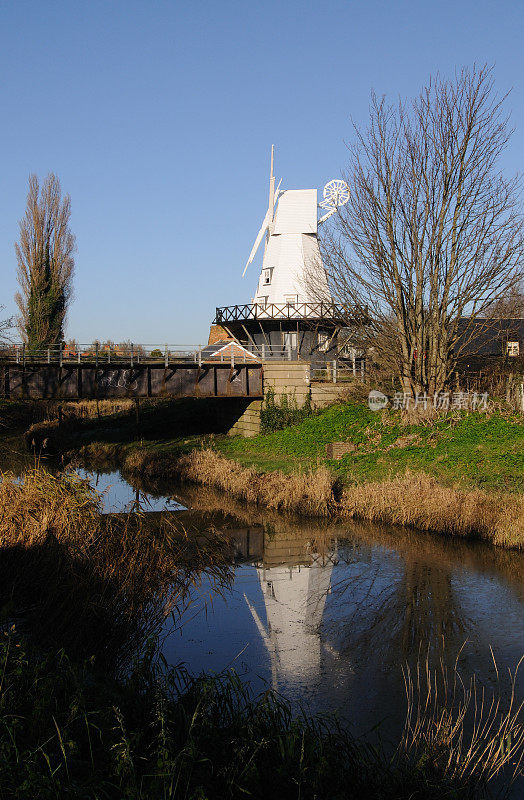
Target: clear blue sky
x=158 y=118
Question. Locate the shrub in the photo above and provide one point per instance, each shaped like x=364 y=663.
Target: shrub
x=282 y=412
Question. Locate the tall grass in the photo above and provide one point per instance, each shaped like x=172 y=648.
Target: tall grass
x=158 y=733
x=310 y=492
x=420 y=501
x=91 y=583
x=467 y=734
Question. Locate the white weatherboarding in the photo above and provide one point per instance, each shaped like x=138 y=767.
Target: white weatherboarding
x=292 y=270
x=294 y=600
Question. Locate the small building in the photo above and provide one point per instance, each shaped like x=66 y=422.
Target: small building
x=490 y=342
x=227 y=350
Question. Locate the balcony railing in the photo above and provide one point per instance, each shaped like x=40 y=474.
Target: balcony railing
x=297 y=311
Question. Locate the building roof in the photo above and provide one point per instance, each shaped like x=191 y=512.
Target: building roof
x=223 y=350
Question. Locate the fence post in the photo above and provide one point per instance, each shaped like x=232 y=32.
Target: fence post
x=289 y=351
x=109 y=354
x=263 y=352
x=131 y=355
x=78 y=354
x=48 y=355
x=96 y=354
x=353 y=362
x=199 y=355
x=334 y=371
x=166 y=357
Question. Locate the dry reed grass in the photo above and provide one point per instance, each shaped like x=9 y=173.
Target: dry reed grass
x=89 y=409
x=413 y=499
x=42 y=505
x=91 y=583
x=418 y=500
x=469 y=735
x=309 y=492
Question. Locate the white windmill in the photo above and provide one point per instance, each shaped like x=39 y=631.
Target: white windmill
x=292 y=271
x=294 y=599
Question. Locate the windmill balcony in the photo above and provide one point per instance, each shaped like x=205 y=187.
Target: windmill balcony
x=281 y=311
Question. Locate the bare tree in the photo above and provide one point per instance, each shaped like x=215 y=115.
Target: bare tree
x=6 y=326
x=511 y=306
x=432 y=235
x=45 y=263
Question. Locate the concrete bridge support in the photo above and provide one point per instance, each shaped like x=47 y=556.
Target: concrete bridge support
x=291 y=378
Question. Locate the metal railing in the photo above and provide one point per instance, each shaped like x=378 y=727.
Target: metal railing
x=130 y=354
x=338 y=371
x=312 y=311
x=323 y=365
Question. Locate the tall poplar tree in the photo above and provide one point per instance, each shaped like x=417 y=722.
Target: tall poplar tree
x=45 y=264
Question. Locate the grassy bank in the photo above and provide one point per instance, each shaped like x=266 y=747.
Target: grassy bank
x=414 y=499
x=458 y=474
x=76 y=721
x=471 y=450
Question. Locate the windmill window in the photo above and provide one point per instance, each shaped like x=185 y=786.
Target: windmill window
x=262 y=300
x=266 y=276
x=513 y=349
x=290 y=300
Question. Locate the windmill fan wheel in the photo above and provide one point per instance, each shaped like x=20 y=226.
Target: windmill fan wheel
x=336 y=192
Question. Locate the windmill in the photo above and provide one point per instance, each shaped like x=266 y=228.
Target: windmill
x=292 y=270
x=295 y=592
x=292 y=314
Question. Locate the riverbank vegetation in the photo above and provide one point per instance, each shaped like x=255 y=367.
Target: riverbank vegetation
x=88 y=582
x=459 y=473
x=88 y=707
x=159 y=733
x=480 y=449
x=470 y=449
x=413 y=499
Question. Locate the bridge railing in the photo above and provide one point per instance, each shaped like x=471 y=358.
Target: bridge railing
x=128 y=353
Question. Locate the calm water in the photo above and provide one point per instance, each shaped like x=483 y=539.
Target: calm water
x=329 y=614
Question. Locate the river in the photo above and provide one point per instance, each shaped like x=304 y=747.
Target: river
x=330 y=614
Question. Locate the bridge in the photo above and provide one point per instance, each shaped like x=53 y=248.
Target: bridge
x=97 y=372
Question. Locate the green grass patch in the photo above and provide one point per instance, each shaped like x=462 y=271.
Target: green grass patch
x=475 y=449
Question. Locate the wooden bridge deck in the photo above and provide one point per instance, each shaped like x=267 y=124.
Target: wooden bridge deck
x=72 y=381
